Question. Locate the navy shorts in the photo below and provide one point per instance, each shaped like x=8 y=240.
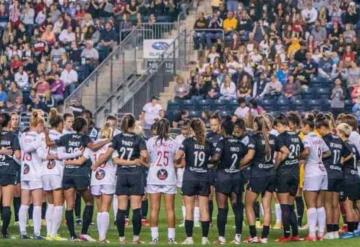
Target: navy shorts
x=76 y=182
x=227 y=183
x=212 y=176
x=287 y=182
x=335 y=184
x=260 y=185
x=130 y=183
x=195 y=184
x=351 y=191
x=8 y=179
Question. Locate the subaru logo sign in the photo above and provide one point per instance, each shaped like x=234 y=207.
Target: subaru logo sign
x=160 y=45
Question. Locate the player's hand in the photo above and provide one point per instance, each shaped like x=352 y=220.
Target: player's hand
x=94 y=167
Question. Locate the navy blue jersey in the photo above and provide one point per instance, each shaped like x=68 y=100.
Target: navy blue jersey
x=231 y=151
x=262 y=163
x=290 y=140
x=333 y=162
x=128 y=147
x=8 y=165
x=350 y=166
x=73 y=142
x=196 y=155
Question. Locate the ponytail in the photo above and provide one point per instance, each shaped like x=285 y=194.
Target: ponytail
x=162 y=130
x=127 y=123
x=106 y=132
x=54 y=118
x=198 y=127
x=36 y=119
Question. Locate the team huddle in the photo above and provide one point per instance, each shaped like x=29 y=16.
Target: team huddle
x=237 y=163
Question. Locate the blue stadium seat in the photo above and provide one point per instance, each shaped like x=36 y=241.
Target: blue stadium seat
x=205 y=104
x=194 y=114
x=220 y=104
x=187 y=104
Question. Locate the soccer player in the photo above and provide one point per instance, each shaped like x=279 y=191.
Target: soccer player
x=103 y=180
x=9 y=169
x=262 y=179
x=129 y=153
x=196 y=151
x=335 y=176
x=229 y=153
x=33 y=154
x=315 y=179
x=289 y=148
x=161 y=179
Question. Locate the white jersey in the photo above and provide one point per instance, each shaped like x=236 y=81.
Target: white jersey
x=162 y=169
x=317 y=146
x=53 y=167
x=106 y=173
x=33 y=154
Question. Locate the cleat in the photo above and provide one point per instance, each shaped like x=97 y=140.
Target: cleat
x=78 y=221
x=310 y=239
x=154 y=241
x=87 y=238
x=336 y=235
x=58 y=238
x=145 y=223
x=356 y=233
x=182 y=224
x=48 y=238
x=283 y=240
x=347 y=235
x=237 y=239
x=320 y=237
x=251 y=240
x=38 y=238
x=188 y=241
x=24 y=237
x=171 y=241
x=344 y=229
x=205 y=241
x=296 y=239
x=104 y=241
x=263 y=240
x=220 y=241
x=122 y=240
x=277 y=226
x=137 y=241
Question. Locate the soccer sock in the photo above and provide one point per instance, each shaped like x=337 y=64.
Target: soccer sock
x=49 y=217
x=104 y=225
x=278 y=213
x=120 y=222
x=37 y=220
x=205 y=228
x=99 y=225
x=239 y=216
x=189 y=225
x=77 y=206
x=136 y=221
x=57 y=218
x=343 y=212
x=144 y=208
x=154 y=233
x=336 y=227
x=329 y=228
x=183 y=210
x=294 y=221
x=252 y=231
x=299 y=209
x=6 y=217
x=265 y=231
x=285 y=215
x=87 y=217
x=321 y=220
x=352 y=226
x=256 y=207
x=196 y=215
x=31 y=209
x=23 y=216
x=16 y=203
x=312 y=219
x=171 y=233
x=221 y=221
x=43 y=210
x=69 y=216
x=211 y=209
x=115 y=206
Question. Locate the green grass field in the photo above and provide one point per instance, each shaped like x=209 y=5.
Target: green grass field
x=180 y=235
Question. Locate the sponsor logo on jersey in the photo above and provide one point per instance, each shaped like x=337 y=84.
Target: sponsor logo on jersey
x=26 y=169
x=51 y=164
x=100 y=174
x=162 y=174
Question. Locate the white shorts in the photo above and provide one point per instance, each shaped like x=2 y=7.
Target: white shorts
x=164 y=189
x=31 y=185
x=51 y=182
x=179 y=175
x=316 y=183
x=103 y=189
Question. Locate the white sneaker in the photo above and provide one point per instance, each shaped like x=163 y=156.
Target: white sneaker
x=329 y=236
x=251 y=240
x=220 y=241
x=263 y=240
x=155 y=241
x=336 y=235
x=188 y=241
x=205 y=241
x=122 y=240
x=171 y=241
x=237 y=239
x=86 y=237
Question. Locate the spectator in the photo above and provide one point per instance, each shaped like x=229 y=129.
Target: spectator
x=309 y=13
x=291 y=87
x=57 y=88
x=90 y=55
x=244 y=87
x=228 y=89
x=3 y=97
x=243 y=110
x=22 y=78
x=356 y=108
x=107 y=40
x=199 y=35
x=152 y=111
x=215 y=23
x=182 y=89
x=67 y=36
x=49 y=36
x=70 y=78
x=272 y=88
x=337 y=98
x=56 y=52
x=230 y=25
x=13 y=93
x=319 y=34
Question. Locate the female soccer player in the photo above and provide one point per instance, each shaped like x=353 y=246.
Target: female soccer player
x=9 y=170
x=76 y=175
x=315 y=179
x=33 y=154
x=103 y=179
x=351 y=184
x=262 y=179
x=196 y=151
x=129 y=154
x=161 y=179
x=335 y=176
x=229 y=183
x=289 y=148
